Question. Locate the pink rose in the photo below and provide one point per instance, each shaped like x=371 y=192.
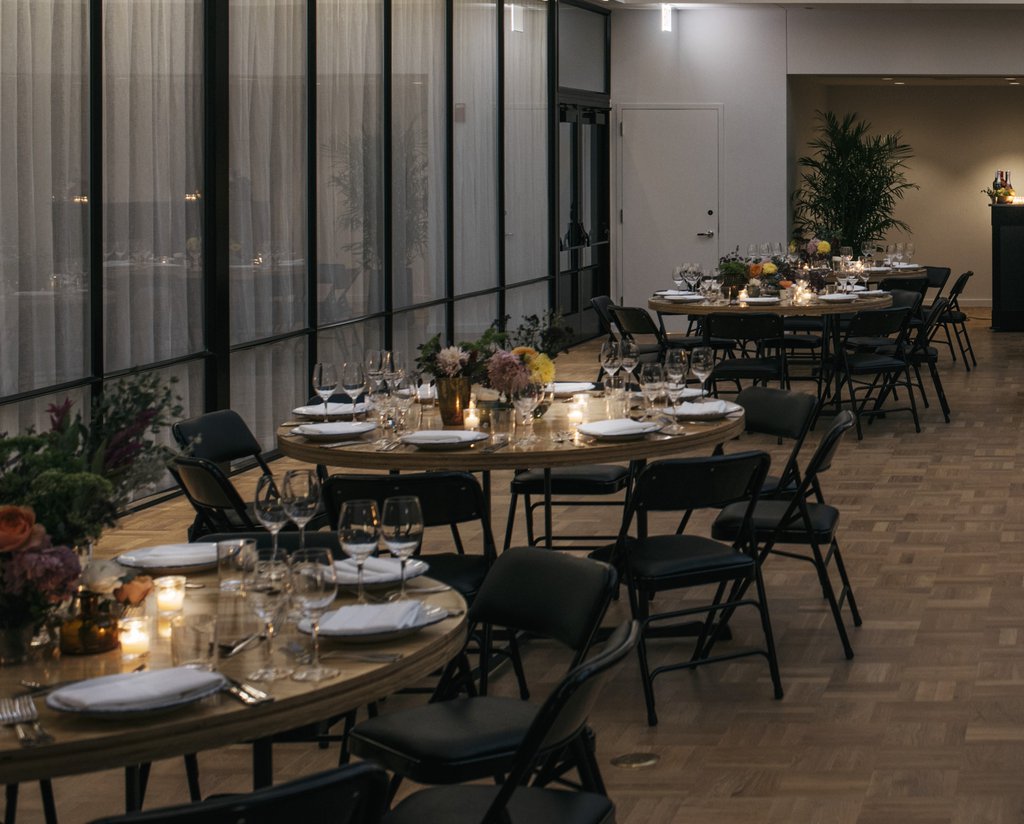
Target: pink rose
x=19 y=530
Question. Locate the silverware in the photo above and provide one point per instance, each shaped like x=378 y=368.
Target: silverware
x=11 y=716
x=494 y=447
x=425 y=590
x=245 y=692
x=27 y=707
x=227 y=650
x=363 y=657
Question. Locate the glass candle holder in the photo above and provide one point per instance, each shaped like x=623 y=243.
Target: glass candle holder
x=134 y=634
x=170 y=593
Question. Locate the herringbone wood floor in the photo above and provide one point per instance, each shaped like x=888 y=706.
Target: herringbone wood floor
x=926 y=724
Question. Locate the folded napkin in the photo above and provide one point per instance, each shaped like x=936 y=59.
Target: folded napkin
x=369 y=618
x=315 y=410
x=171 y=555
x=436 y=436
x=708 y=409
x=618 y=427
x=137 y=689
x=376 y=570
x=673 y=292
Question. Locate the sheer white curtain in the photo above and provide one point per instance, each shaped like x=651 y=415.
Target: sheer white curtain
x=44 y=305
x=153 y=159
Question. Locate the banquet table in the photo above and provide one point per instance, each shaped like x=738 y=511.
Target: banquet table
x=815 y=309
x=85 y=745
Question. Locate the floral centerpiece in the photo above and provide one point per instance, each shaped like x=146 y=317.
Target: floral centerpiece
x=107 y=591
x=35 y=578
x=734 y=271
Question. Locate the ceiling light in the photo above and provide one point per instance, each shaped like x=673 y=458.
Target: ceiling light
x=666 y=17
x=886 y=78
x=899 y=83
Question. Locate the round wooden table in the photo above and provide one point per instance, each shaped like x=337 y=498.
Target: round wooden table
x=85 y=745
x=815 y=309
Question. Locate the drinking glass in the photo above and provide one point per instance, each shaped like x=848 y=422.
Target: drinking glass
x=314 y=585
x=908 y=252
x=846 y=256
x=525 y=402
x=867 y=251
x=359 y=531
x=898 y=253
x=265 y=586
x=652 y=383
x=752 y=250
x=300 y=496
x=325 y=381
x=352 y=382
x=403 y=396
x=678 y=277
x=401 y=530
x=269 y=508
x=374 y=364
x=629 y=356
x=610 y=362
x=702 y=364
x=676 y=365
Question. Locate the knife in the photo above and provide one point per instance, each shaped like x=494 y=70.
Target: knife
x=246 y=693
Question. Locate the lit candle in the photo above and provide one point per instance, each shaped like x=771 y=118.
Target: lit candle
x=575 y=416
x=163 y=627
x=170 y=593
x=134 y=635
x=471 y=418
x=743 y=294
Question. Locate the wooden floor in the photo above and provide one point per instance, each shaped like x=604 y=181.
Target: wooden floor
x=925 y=724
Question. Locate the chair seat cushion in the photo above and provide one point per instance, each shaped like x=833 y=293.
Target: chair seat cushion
x=463 y=573
x=448 y=741
x=595 y=479
x=528 y=805
x=954 y=316
x=748 y=368
x=768 y=514
x=664 y=558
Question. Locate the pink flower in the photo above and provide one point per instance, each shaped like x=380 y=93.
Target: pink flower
x=451 y=359
x=507 y=373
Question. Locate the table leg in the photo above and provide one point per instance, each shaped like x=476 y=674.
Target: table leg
x=548 y=520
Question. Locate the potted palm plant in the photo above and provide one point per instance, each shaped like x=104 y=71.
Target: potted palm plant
x=851 y=182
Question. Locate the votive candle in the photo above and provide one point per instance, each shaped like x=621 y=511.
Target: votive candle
x=170 y=593
x=134 y=635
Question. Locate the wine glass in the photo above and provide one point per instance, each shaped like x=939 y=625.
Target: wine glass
x=652 y=383
x=401 y=530
x=898 y=254
x=525 y=402
x=352 y=382
x=846 y=256
x=676 y=365
x=908 y=251
x=325 y=381
x=629 y=356
x=300 y=496
x=374 y=365
x=265 y=586
x=268 y=507
x=867 y=251
x=702 y=364
x=610 y=362
x=403 y=396
x=678 y=277
x=358 y=531
x=314 y=585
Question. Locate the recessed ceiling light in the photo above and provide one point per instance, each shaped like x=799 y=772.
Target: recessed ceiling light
x=899 y=83
x=1014 y=83
x=1009 y=78
x=886 y=78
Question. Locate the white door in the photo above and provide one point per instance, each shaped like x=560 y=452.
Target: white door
x=669 y=196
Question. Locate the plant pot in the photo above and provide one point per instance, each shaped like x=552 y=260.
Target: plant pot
x=452 y=399
x=15 y=643
x=91 y=625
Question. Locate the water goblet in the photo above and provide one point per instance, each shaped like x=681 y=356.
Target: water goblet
x=353 y=382
x=314 y=586
x=908 y=251
x=300 y=497
x=325 y=381
x=629 y=356
x=678 y=276
x=358 y=532
x=610 y=358
x=268 y=507
x=403 y=396
x=401 y=530
x=702 y=364
x=867 y=251
x=265 y=587
x=652 y=383
x=676 y=366
x=374 y=368
x=525 y=401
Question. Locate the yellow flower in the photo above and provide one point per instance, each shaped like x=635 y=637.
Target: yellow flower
x=542 y=369
x=824 y=247
x=769 y=269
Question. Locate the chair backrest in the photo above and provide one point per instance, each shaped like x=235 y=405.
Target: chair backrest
x=546 y=593
x=212 y=495
x=564 y=713
x=602 y=306
x=287 y=541
x=633 y=321
x=780 y=413
x=221 y=437
x=937 y=277
x=877 y=323
x=353 y=794
x=909 y=284
x=821 y=461
x=752 y=326
x=928 y=327
x=446 y=498
x=683 y=484
x=958 y=288
x=907 y=299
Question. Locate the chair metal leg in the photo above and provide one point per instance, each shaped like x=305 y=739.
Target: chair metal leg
x=645 y=678
x=192 y=776
x=11 y=804
x=262 y=763
x=830 y=596
x=769 y=638
x=511 y=522
x=939 y=391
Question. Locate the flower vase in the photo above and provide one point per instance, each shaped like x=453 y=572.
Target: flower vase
x=452 y=399
x=15 y=643
x=91 y=625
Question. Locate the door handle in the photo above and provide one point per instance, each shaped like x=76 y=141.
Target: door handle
x=708 y=233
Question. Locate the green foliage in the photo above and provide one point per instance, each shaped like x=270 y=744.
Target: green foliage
x=545 y=333
x=850 y=184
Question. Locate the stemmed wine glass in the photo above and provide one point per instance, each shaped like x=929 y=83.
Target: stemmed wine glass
x=300 y=496
x=374 y=368
x=325 y=381
x=898 y=254
x=269 y=508
x=401 y=530
x=352 y=382
x=403 y=396
x=265 y=585
x=867 y=251
x=359 y=531
x=629 y=356
x=314 y=585
x=652 y=383
x=676 y=365
x=678 y=277
x=702 y=364
x=525 y=402
x=908 y=251
x=610 y=362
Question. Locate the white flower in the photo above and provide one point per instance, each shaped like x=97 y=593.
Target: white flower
x=451 y=359
x=103 y=577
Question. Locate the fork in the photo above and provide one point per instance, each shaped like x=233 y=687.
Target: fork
x=27 y=709
x=10 y=716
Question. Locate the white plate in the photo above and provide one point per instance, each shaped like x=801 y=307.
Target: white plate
x=334 y=410
x=683 y=298
x=837 y=298
x=906 y=266
x=619 y=429
x=429 y=615
x=335 y=430
x=143 y=707
x=379 y=571
x=440 y=440
x=176 y=559
x=872 y=293
x=676 y=293
x=878 y=269
x=714 y=411
x=566 y=389
x=689 y=394
x=760 y=301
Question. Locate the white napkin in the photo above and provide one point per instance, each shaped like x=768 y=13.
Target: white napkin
x=673 y=292
x=617 y=427
x=369 y=618
x=377 y=570
x=708 y=409
x=171 y=555
x=435 y=436
x=136 y=689
x=316 y=410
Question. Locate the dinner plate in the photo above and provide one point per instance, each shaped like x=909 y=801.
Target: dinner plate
x=334 y=410
x=566 y=389
x=878 y=269
x=441 y=440
x=429 y=615
x=837 y=298
x=683 y=298
x=334 y=430
x=378 y=571
x=759 y=301
x=619 y=429
x=872 y=293
x=171 y=559
x=906 y=266
x=716 y=410
x=674 y=293
x=57 y=700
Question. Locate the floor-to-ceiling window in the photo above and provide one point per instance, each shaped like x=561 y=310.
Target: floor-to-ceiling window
x=386 y=175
